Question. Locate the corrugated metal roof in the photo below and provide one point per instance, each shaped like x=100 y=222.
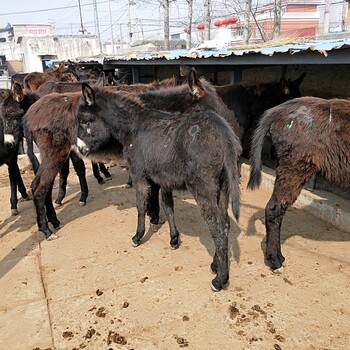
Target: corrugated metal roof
x=323 y=46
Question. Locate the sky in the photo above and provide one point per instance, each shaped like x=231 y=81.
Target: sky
x=65 y=16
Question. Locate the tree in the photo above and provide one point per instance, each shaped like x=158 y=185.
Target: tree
x=246 y=22
x=207 y=19
x=189 y=24
x=166 y=5
x=277 y=19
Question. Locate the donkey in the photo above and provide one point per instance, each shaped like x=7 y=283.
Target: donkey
x=44 y=132
x=78 y=164
x=33 y=80
x=167 y=149
x=310 y=135
x=194 y=94
x=51 y=123
x=249 y=101
x=11 y=134
x=26 y=100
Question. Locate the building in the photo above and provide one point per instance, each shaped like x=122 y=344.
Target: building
x=299 y=18
x=33 y=47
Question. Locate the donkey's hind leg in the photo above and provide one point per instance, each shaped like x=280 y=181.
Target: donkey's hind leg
x=79 y=167
x=223 y=205
x=96 y=172
x=21 y=187
x=104 y=170
x=168 y=207
x=207 y=202
x=288 y=185
x=62 y=187
x=42 y=190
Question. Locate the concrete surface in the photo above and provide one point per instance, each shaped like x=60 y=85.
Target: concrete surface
x=90 y=289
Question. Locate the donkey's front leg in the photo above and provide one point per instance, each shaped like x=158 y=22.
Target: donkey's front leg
x=141 y=198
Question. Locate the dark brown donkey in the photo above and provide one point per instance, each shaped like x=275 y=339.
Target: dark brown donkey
x=249 y=101
x=310 y=135
x=51 y=123
x=11 y=134
x=167 y=149
x=78 y=164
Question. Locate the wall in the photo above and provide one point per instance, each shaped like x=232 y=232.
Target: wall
x=32 y=49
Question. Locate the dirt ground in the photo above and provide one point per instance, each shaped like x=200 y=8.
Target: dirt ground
x=90 y=289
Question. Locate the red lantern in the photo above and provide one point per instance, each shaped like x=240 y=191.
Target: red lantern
x=186 y=30
x=232 y=20
x=225 y=21
x=200 y=26
x=218 y=23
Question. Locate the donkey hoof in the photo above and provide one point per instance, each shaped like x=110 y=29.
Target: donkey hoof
x=14 y=212
x=215 y=286
x=81 y=203
x=52 y=237
x=135 y=243
x=58 y=203
x=127 y=186
x=101 y=182
x=278 y=271
x=174 y=246
x=174 y=243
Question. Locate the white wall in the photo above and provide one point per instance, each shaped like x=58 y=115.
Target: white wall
x=31 y=49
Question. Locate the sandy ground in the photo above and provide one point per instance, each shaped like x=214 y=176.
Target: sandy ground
x=90 y=289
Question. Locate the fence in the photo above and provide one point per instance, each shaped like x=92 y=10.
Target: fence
x=5 y=82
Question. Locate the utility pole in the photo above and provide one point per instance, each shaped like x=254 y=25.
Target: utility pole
x=327 y=7
x=82 y=28
x=348 y=19
x=130 y=20
x=97 y=26
x=121 y=36
x=111 y=24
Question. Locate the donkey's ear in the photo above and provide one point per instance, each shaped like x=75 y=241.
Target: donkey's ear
x=17 y=91
x=101 y=79
x=89 y=95
x=299 y=80
x=284 y=86
x=194 y=83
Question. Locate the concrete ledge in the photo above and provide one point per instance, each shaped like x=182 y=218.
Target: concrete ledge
x=323 y=204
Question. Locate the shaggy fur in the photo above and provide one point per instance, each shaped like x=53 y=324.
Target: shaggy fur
x=249 y=101
x=309 y=135
x=11 y=134
x=51 y=123
x=167 y=149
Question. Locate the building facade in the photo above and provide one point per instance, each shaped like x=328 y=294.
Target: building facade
x=30 y=48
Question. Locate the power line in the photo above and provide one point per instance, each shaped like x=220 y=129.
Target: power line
x=50 y=9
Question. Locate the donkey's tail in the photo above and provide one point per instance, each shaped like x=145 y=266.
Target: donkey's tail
x=256 y=149
x=231 y=160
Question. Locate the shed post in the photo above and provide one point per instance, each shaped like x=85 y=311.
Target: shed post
x=235 y=76
x=135 y=74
